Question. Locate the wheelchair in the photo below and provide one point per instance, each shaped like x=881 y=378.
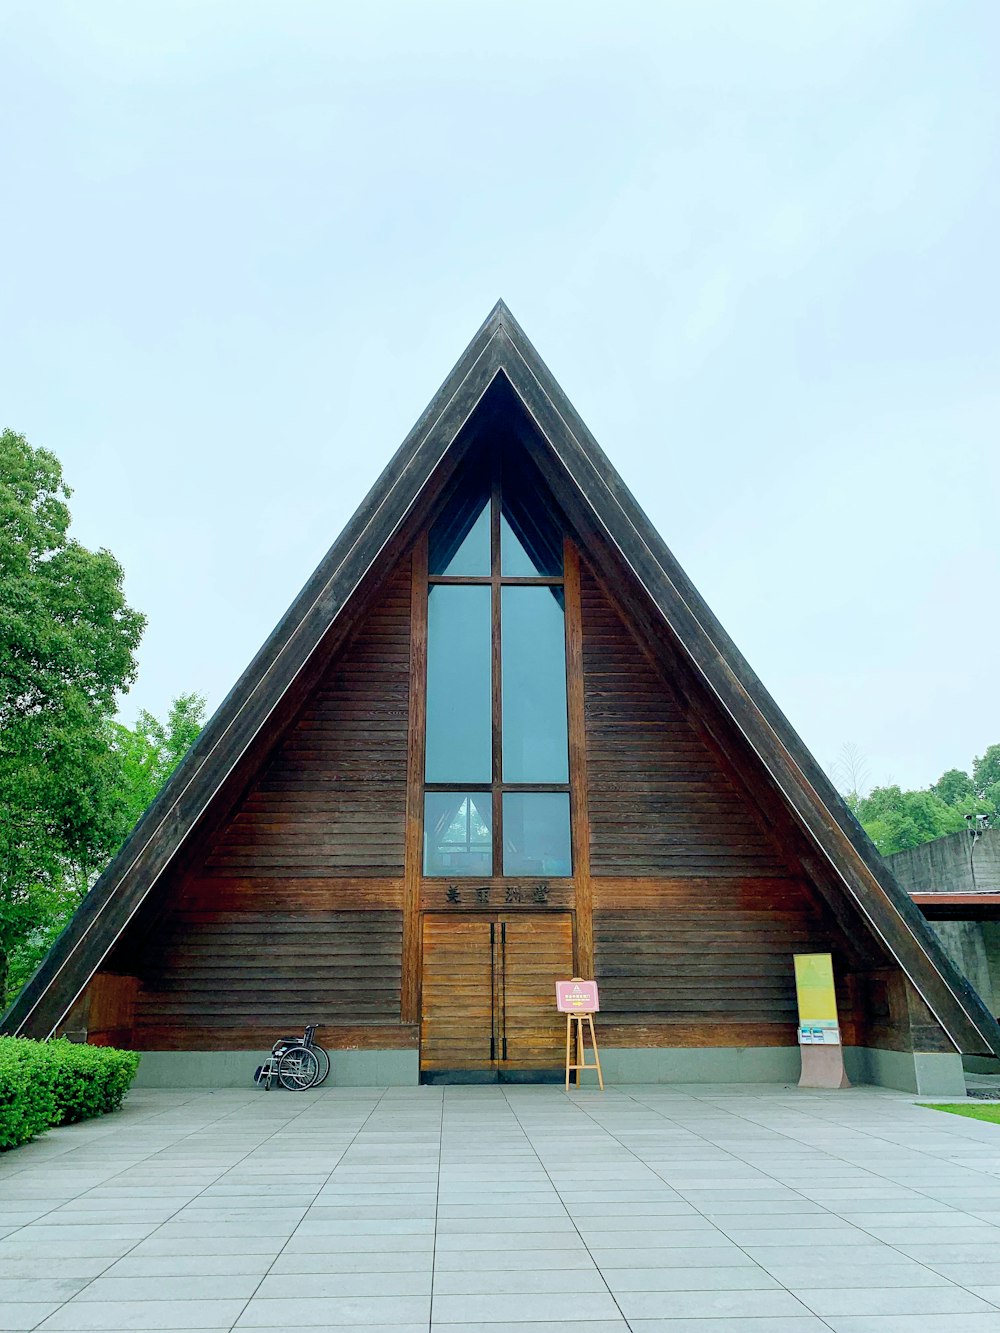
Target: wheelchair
x=298 y=1063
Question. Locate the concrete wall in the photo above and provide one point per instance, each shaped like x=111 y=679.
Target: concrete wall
x=950 y=865
x=965 y=944
x=990 y=931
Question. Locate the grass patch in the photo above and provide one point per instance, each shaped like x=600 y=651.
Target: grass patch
x=988 y=1111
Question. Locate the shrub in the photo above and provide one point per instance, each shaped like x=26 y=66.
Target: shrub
x=46 y=1083
x=27 y=1105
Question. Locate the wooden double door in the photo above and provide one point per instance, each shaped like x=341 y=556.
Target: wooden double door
x=488 y=1007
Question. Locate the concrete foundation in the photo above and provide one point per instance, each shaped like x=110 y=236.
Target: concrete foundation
x=935 y=1074
x=235 y=1069
x=708 y=1064
x=930 y=1074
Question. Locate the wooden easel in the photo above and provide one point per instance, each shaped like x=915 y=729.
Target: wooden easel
x=581 y=1054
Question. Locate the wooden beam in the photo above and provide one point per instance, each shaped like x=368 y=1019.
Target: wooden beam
x=579 y=811
x=413 y=856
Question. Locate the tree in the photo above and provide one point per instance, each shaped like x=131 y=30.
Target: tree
x=850 y=772
x=69 y=641
x=150 y=751
x=895 y=819
x=954 y=787
x=986 y=779
x=135 y=763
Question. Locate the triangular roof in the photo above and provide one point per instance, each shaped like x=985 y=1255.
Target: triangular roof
x=601 y=506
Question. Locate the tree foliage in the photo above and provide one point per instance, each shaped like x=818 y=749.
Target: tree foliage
x=148 y=753
x=135 y=763
x=986 y=777
x=895 y=819
x=68 y=640
x=73 y=781
x=954 y=786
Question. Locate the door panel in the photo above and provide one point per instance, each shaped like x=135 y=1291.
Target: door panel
x=489 y=992
x=457 y=1019
x=538 y=953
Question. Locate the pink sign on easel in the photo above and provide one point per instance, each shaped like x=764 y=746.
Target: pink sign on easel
x=577 y=997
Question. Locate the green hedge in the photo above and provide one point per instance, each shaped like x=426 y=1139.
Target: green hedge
x=46 y=1083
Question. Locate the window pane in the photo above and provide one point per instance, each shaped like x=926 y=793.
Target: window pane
x=459 y=541
x=458 y=833
x=536 y=833
x=530 y=540
x=459 y=718
x=533 y=653
x=524 y=553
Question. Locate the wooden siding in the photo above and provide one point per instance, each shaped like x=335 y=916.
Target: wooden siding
x=659 y=800
x=295 y=913
x=332 y=801
x=697 y=909
x=111 y=1009
x=707 y=961
x=270 y=971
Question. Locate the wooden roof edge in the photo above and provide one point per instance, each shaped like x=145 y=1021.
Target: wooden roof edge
x=407 y=471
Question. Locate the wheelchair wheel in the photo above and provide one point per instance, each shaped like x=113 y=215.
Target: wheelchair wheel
x=298 y=1069
x=324 y=1064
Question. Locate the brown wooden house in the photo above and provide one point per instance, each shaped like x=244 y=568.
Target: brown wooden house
x=497 y=740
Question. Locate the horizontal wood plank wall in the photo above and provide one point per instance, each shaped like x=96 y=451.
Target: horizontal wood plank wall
x=333 y=799
x=274 y=970
x=295 y=915
x=659 y=802
x=697 y=908
x=706 y=961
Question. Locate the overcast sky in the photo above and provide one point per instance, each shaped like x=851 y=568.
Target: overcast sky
x=756 y=242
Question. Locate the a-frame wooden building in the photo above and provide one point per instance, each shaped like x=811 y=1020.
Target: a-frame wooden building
x=499 y=739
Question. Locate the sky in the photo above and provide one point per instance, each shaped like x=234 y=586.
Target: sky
x=755 y=241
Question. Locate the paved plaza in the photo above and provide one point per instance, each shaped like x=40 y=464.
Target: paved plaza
x=691 y=1209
